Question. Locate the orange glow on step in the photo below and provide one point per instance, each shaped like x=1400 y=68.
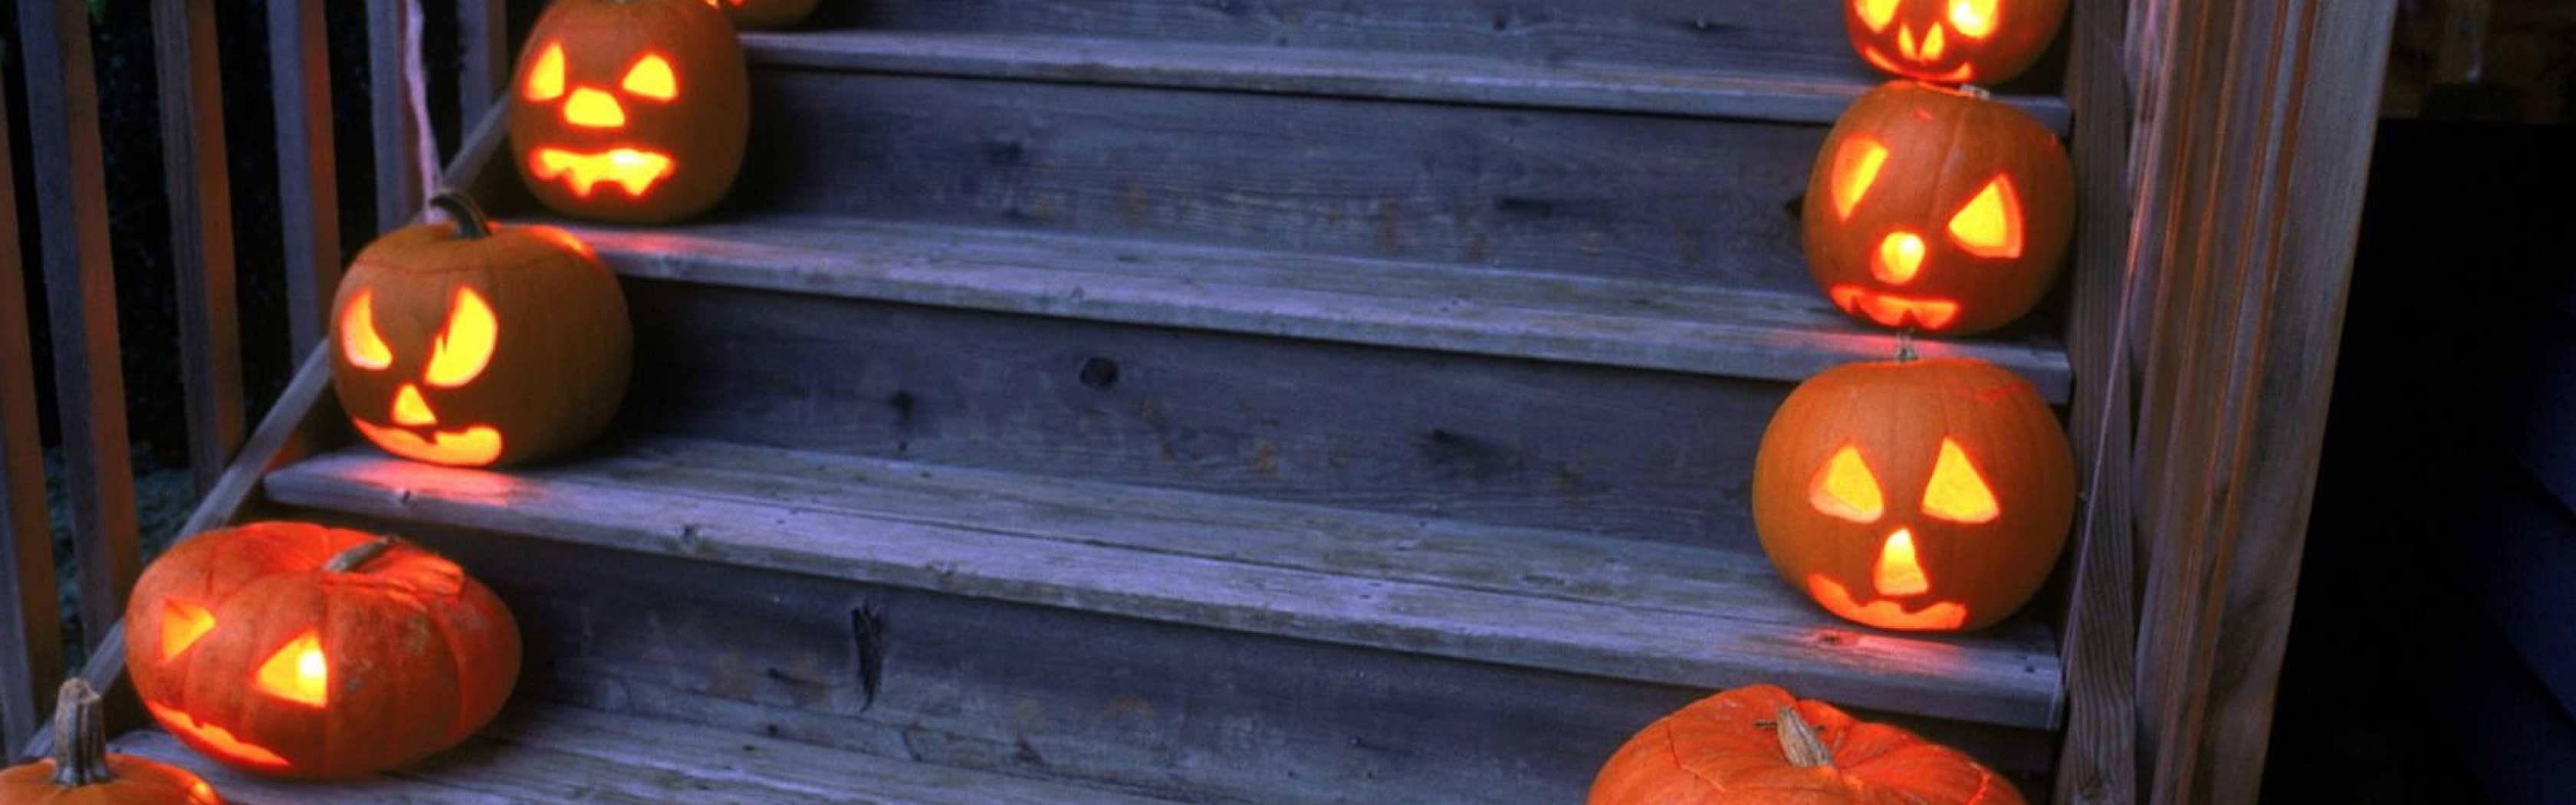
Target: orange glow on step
x=298 y=673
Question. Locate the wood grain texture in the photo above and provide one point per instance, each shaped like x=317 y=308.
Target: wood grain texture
x=1099 y=548
x=2257 y=142
x=1394 y=75
x=482 y=55
x=201 y=231
x=1592 y=194
x=1693 y=327
x=1637 y=454
x=542 y=754
x=397 y=147
x=31 y=617
x=1200 y=714
x=308 y=185
x=2098 y=765
x=80 y=294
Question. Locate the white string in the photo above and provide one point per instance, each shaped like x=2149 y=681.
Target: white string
x=417 y=73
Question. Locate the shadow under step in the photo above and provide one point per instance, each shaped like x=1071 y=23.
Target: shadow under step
x=1643 y=612
x=1631 y=323
x=546 y=754
x=1803 y=93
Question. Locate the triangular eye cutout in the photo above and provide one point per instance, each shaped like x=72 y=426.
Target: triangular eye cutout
x=1990 y=226
x=181 y=624
x=1975 y=19
x=546 y=77
x=1957 y=492
x=358 y=339
x=651 y=77
x=1844 y=488
x=465 y=347
x=1876 y=13
x=1855 y=168
x=298 y=673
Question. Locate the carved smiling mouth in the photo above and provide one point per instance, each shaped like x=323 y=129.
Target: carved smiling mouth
x=1892 y=310
x=216 y=740
x=1940 y=616
x=635 y=171
x=1957 y=75
x=475 y=446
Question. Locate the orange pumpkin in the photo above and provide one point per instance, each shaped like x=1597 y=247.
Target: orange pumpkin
x=765 y=15
x=1953 y=41
x=471 y=345
x=1759 y=744
x=630 y=111
x=296 y=650
x=1922 y=495
x=81 y=772
x=1938 y=209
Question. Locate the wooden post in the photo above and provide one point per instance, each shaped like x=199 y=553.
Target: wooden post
x=2253 y=151
x=31 y=639
x=398 y=190
x=80 y=291
x=483 y=34
x=201 y=231
x=308 y=189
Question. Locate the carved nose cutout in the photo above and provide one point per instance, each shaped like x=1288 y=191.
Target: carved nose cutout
x=410 y=410
x=1899 y=258
x=1898 y=573
x=590 y=108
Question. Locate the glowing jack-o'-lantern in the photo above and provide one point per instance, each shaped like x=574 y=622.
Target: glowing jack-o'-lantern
x=81 y=772
x=765 y=15
x=476 y=346
x=631 y=111
x=295 y=650
x=1922 y=495
x=1953 y=41
x=1760 y=745
x=1937 y=209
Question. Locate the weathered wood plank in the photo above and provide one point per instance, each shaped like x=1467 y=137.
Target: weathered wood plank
x=2099 y=763
x=31 y=654
x=1636 y=196
x=1043 y=555
x=201 y=231
x=546 y=754
x=307 y=168
x=397 y=143
x=80 y=290
x=2257 y=140
x=1689 y=327
x=1393 y=75
x=1740 y=35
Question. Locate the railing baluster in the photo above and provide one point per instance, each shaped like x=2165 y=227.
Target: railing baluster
x=31 y=638
x=80 y=291
x=201 y=231
x=308 y=190
x=483 y=45
x=398 y=191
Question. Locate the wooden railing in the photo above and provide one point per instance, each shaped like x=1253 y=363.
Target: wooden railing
x=66 y=167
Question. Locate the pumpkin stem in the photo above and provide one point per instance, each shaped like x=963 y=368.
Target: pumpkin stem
x=1977 y=92
x=353 y=558
x=1799 y=741
x=471 y=222
x=1905 y=346
x=80 y=737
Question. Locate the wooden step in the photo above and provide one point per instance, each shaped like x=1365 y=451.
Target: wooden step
x=547 y=754
x=1806 y=91
x=1696 y=328
x=1644 y=612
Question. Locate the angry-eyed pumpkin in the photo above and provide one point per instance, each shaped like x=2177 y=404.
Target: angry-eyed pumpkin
x=630 y=111
x=470 y=344
x=1919 y=495
x=80 y=771
x=1953 y=41
x=1758 y=745
x=766 y=15
x=1938 y=209
x=296 y=650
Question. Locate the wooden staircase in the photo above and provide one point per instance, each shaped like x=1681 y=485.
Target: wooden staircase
x=1278 y=401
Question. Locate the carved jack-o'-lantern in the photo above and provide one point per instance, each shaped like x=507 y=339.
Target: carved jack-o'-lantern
x=631 y=111
x=295 y=650
x=1924 y=495
x=1938 y=209
x=765 y=15
x=474 y=346
x=1953 y=41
